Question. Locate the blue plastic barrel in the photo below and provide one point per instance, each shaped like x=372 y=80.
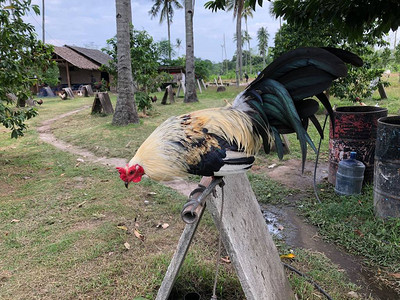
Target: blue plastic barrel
x=349 y=176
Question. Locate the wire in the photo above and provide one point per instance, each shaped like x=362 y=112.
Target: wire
x=316 y=161
x=40 y=25
x=320 y=289
x=214 y=296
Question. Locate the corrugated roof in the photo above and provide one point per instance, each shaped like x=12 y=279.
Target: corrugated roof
x=92 y=54
x=75 y=58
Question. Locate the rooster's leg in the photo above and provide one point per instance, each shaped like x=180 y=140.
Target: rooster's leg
x=205 y=191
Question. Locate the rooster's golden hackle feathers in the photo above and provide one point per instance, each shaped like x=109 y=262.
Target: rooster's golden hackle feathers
x=222 y=141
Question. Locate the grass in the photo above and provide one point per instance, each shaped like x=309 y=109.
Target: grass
x=350 y=221
x=318 y=268
x=61 y=236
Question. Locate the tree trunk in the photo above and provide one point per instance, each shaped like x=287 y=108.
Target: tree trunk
x=190 y=95
x=248 y=42
x=263 y=59
x=169 y=36
x=125 y=110
x=239 y=59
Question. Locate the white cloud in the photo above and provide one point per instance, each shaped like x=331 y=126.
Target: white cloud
x=93 y=22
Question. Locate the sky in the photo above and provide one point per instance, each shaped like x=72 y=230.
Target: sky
x=89 y=23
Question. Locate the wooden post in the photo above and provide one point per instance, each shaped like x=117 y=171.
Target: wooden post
x=198 y=83
x=68 y=77
x=204 y=85
x=247 y=242
x=179 y=88
x=216 y=82
x=220 y=80
x=171 y=94
x=102 y=104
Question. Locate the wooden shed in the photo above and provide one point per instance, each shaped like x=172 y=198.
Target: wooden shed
x=80 y=66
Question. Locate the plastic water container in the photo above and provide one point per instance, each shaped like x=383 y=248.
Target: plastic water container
x=349 y=176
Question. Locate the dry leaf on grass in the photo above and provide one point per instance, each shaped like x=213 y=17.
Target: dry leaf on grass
x=226 y=259
x=163 y=226
x=127 y=245
x=395 y=275
x=15 y=221
x=138 y=235
x=290 y=256
x=123 y=227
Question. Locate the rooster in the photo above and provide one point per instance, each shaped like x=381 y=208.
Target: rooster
x=223 y=141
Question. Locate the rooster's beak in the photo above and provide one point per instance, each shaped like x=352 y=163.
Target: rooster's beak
x=126 y=184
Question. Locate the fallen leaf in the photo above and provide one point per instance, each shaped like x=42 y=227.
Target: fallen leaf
x=289 y=255
x=280 y=227
x=62 y=174
x=15 y=221
x=138 y=235
x=98 y=215
x=162 y=225
x=80 y=160
x=123 y=227
x=127 y=245
x=357 y=231
x=151 y=193
x=272 y=166
x=77 y=164
x=395 y=275
x=226 y=259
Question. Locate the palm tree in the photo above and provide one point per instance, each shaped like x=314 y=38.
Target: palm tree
x=190 y=80
x=125 y=109
x=248 y=13
x=237 y=6
x=178 y=44
x=166 y=10
x=262 y=36
x=245 y=39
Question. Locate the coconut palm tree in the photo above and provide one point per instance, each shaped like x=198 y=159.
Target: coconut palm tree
x=125 y=109
x=178 y=44
x=190 y=80
x=248 y=13
x=166 y=10
x=262 y=36
x=237 y=6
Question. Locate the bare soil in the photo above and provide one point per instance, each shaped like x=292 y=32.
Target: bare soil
x=297 y=232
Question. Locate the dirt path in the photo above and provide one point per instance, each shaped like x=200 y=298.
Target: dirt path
x=46 y=135
x=297 y=232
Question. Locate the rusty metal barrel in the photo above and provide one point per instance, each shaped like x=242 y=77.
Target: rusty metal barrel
x=387 y=168
x=355 y=130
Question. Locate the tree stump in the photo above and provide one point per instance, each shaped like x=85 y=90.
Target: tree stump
x=221 y=89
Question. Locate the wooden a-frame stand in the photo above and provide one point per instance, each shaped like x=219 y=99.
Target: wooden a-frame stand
x=246 y=240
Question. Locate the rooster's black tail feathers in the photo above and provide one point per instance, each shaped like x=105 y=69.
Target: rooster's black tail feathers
x=279 y=95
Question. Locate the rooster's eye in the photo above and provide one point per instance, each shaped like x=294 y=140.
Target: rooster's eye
x=131 y=172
